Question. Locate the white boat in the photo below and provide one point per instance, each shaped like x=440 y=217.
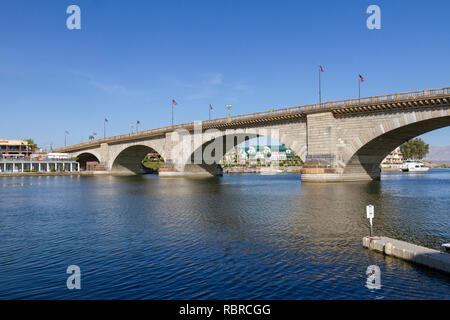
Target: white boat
x=269 y=171
x=413 y=166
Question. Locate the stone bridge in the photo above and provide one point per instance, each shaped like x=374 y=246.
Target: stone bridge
x=342 y=140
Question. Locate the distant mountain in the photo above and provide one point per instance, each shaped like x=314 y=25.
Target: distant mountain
x=439 y=155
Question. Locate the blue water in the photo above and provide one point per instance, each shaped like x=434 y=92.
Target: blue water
x=235 y=237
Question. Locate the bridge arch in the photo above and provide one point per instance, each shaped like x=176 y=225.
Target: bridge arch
x=226 y=140
x=128 y=159
x=365 y=152
x=86 y=156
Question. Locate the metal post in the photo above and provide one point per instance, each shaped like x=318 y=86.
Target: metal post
x=359 y=90
x=370 y=214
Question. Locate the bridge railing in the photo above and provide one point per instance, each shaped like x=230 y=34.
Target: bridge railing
x=275 y=112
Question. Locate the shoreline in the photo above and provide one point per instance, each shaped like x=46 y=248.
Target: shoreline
x=46 y=174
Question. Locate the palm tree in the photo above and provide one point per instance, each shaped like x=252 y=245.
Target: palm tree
x=31 y=145
x=91 y=137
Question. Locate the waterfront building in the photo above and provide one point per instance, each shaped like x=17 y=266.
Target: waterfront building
x=10 y=148
x=14 y=165
x=258 y=155
x=393 y=160
x=17 y=157
x=237 y=155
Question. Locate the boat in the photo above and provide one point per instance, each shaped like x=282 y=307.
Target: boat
x=269 y=171
x=413 y=166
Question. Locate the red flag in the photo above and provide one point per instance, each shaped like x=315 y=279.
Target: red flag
x=106 y=120
x=361 y=79
x=210 y=107
x=94 y=134
x=320 y=68
x=174 y=102
x=67 y=132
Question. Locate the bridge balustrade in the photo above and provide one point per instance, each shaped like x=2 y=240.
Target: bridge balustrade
x=276 y=112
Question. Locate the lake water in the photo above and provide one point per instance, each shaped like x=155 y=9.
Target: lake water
x=235 y=237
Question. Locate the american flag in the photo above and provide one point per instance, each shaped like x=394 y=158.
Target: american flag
x=138 y=122
x=174 y=102
x=361 y=78
x=67 y=132
x=106 y=120
x=320 y=68
x=210 y=107
x=94 y=133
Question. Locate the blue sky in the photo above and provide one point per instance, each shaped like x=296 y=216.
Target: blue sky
x=132 y=57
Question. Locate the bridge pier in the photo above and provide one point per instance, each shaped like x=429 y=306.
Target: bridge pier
x=190 y=170
x=337 y=177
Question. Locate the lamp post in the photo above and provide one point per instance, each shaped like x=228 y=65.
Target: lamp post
x=229 y=110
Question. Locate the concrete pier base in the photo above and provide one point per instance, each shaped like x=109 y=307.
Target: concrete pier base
x=417 y=254
x=191 y=170
x=335 y=177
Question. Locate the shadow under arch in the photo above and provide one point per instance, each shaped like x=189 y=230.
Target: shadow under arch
x=129 y=160
x=206 y=158
x=84 y=158
x=369 y=157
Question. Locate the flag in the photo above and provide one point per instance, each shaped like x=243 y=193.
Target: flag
x=138 y=122
x=174 y=102
x=361 y=79
x=94 y=134
x=67 y=132
x=106 y=120
x=320 y=68
x=210 y=107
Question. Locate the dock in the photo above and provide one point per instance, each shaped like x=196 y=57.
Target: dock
x=431 y=258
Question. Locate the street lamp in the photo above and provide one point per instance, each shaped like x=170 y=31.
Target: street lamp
x=229 y=108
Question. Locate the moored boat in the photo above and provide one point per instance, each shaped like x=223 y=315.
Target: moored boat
x=413 y=166
x=269 y=171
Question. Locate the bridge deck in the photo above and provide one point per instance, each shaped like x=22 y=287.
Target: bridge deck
x=411 y=99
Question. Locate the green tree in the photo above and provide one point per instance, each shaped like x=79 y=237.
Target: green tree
x=91 y=137
x=31 y=144
x=414 y=149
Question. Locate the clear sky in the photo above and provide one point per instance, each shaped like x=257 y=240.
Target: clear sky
x=131 y=58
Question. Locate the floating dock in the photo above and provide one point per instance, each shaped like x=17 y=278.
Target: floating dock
x=435 y=259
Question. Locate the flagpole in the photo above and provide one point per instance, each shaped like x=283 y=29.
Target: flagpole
x=104 y=129
x=65 y=139
x=320 y=90
x=209 y=112
x=359 y=88
x=172 y=113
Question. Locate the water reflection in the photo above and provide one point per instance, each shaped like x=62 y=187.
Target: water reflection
x=240 y=236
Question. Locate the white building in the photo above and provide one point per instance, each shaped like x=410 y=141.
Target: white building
x=393 y=160
x=258 y=154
